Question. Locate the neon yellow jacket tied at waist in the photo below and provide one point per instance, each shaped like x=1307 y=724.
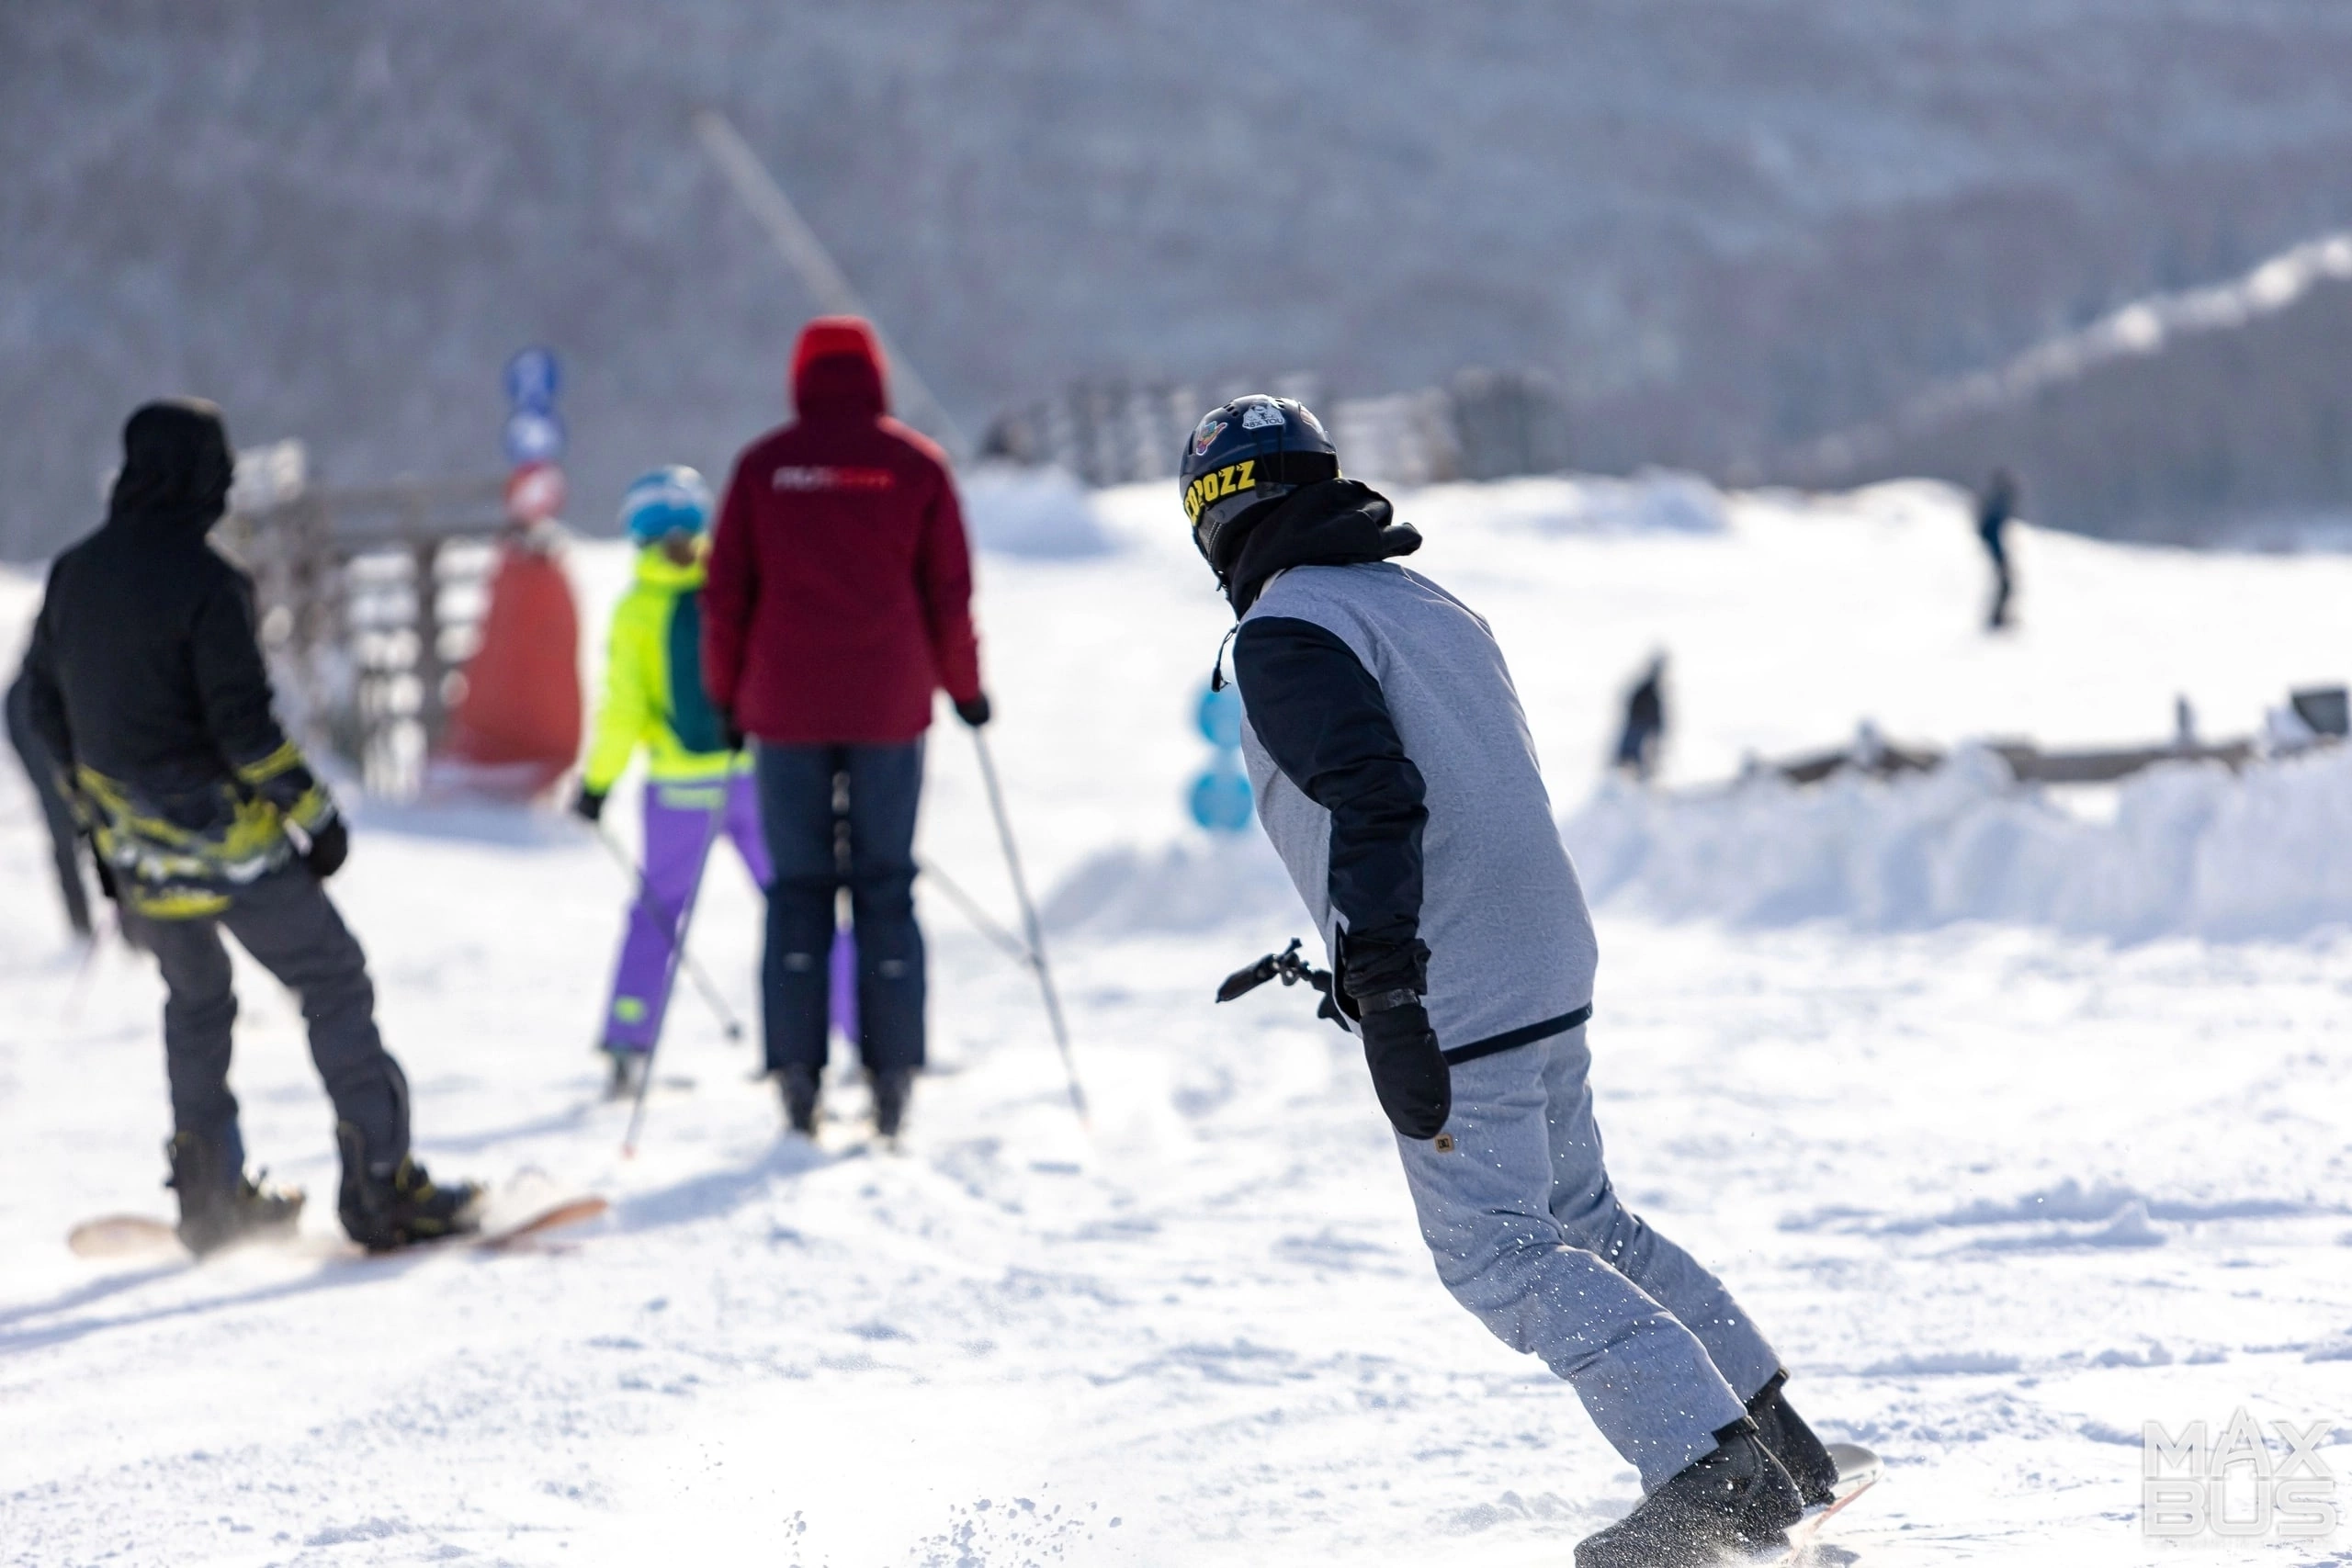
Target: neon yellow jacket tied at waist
x=184 y=858
x=653 y=682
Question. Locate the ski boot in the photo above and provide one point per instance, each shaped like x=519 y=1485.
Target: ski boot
x=219 y=1205
x=802 y=1088
x=1735 y=1502
x=893 y=1087
x=1790 y=1440
x=391 y=1204
x=627 y=1070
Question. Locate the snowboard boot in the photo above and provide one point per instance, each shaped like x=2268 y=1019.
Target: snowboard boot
x=1735 y=1502
x=218 y=1206
x=802 y=1087
x=627 y=1071
x=1791 y=1442
x=391 y=1204
x=893 y=1087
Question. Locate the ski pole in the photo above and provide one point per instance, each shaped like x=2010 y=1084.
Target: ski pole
x=1037 y=955
x=981 y=921
x=677 y=951
x=695 y=971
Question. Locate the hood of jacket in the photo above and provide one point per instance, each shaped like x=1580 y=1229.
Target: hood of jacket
x=176 y=465
x=1334 y=523
x=837 y=371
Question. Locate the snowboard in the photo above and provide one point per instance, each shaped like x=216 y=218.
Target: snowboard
x=143 y=1235
x=1857 y=1471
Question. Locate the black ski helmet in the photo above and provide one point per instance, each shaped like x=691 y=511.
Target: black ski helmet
x=1245 y=453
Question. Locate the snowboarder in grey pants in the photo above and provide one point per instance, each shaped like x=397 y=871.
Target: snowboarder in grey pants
x=1397 y=779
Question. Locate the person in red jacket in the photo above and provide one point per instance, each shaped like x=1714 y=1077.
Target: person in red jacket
x=839 y=600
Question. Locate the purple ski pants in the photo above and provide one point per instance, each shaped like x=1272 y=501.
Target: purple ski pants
x=678 y=838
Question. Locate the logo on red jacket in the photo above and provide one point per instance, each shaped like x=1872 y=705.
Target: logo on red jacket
x=798 y=477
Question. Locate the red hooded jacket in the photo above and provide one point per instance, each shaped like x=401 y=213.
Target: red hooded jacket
x=841 y=585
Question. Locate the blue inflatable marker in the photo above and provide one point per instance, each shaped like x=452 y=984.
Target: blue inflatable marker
x=534 y=435
x=1219 y=717
x=1220 y=797
x=1221 y=800
x=531 y=381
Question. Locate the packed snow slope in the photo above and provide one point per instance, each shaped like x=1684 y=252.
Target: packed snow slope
x=2001 y=1186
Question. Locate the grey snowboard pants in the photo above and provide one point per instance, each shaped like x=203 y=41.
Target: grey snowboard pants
x=287 y=922
x=1528 y=1235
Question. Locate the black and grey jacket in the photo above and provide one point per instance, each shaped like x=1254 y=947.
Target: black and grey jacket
x=1397 y=781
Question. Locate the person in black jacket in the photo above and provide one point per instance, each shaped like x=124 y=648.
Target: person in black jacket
x=1994 y=507
x=1644 y=733
x=147 y=687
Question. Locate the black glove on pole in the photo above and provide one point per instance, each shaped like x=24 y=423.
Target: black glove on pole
x=976 y=712
x=1408 y=1071
x=589 y=804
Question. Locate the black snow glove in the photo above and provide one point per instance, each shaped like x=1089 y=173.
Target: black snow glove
x=1408 y=1072
x=329 y=847
x=736 y=739
x=976 y=712
x=589 y=804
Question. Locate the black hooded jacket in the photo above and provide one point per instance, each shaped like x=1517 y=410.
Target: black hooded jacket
x=1331 y=523
x=147 y=677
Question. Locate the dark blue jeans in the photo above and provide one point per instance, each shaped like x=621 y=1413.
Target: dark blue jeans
x=840 y=817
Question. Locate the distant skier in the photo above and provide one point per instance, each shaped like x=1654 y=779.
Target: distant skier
x=148 y=688
x=839 y=600
x=1993 y=509
x=57 y=814
x=1644 y=732
x=695 y=788
x=1396 y=778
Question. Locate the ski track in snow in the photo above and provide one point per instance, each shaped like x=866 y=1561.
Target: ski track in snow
x=1999 y=1195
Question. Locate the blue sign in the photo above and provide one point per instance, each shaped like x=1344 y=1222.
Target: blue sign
x=531 y=381
x=534 y=435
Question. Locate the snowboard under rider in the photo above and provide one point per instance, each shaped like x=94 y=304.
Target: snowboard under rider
x=149 y=689
x=839 y=604
x=1395 y=776
x=696 y=788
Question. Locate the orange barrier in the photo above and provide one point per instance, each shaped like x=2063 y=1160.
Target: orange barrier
x=516 y=729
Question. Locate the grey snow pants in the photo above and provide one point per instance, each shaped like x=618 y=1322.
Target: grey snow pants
x=288 y=923
x=1528 y=1235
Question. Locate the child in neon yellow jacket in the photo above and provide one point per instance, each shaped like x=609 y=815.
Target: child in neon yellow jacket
x=695 y=788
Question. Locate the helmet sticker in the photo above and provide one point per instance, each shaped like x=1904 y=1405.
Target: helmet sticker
x=1262 y=416
x=1228 y=480
x=1206 y=436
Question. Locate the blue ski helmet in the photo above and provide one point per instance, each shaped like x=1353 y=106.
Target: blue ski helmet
x=665 y=501
x=1245 y=453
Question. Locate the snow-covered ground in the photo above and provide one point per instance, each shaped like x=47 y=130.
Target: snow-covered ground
x=2002 y=1188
